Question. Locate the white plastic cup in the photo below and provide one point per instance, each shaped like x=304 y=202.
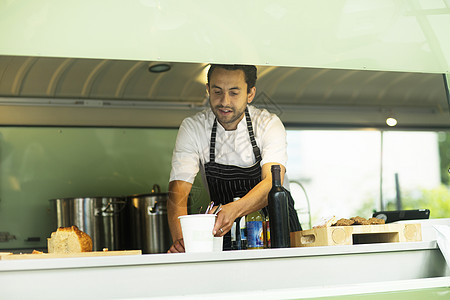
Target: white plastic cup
x=218 y=244
x=198 y=232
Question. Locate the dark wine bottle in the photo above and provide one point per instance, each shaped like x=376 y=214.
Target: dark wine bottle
x=278 y=212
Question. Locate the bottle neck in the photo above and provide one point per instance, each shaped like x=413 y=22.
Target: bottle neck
x=276 y=178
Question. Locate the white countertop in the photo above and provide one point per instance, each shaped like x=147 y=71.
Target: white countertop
x=174 y=258
x=255 y=274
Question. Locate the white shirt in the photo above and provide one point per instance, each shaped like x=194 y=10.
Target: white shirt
x=233 y=147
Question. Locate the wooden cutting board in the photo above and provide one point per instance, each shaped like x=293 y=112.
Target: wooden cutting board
x=356 y=234
x=10 y=256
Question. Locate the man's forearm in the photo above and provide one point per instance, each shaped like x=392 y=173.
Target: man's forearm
x=174 y=224
x=177 y=206
x=256 y=198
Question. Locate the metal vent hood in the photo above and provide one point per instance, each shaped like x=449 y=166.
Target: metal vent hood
x=300 y=96
x=347 y=66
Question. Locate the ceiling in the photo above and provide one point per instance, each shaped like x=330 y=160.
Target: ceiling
x=300 y=96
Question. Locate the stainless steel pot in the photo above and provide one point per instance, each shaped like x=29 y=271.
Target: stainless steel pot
x=103 y=218
x=147 y=215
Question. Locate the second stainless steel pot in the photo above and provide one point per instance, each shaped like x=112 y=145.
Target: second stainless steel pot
x=147 y=215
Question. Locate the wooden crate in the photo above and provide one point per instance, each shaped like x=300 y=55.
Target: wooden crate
x=356 y=234
x=10 y=256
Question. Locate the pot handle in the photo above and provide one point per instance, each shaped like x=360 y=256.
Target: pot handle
x=154 y=209
x=110 y=204
x=156 y=187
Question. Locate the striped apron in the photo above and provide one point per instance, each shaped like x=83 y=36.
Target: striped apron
x=226 y=182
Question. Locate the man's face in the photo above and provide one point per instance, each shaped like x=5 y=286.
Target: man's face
x=228 y=96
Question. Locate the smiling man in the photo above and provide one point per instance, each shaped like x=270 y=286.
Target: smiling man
x=233 y=145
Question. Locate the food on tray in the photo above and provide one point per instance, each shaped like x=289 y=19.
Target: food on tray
x=356 y=221
x=326 y=222
x=376 y=221
x=69 y=240
x=344 y=222
x=36 y=252
x=360 y=221
x=332 y=221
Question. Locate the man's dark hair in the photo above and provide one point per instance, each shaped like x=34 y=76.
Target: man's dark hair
x=249 y=73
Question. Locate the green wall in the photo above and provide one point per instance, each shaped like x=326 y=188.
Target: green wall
x=39 y=164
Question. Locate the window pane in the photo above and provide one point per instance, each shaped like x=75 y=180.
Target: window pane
x=339 y=170
x=414 y=158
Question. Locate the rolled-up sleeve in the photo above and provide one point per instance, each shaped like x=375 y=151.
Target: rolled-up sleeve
x=185 y=157
x=273 y=142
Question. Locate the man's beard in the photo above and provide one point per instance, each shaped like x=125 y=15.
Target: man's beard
x=236 y=114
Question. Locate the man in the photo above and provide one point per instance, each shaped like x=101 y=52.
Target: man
x=234 y=145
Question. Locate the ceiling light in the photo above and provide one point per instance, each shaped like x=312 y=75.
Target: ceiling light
x=391 y=121
x=159 y=68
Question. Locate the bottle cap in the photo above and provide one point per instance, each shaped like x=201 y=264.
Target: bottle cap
x=275 y=167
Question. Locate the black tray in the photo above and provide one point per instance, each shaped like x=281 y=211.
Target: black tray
x=398 y=215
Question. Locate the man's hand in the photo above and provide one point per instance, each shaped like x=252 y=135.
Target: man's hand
x=177 y=247
x=224 y=220
x=255 y=199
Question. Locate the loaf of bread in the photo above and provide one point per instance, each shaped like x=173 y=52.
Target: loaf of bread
x=69 y=240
